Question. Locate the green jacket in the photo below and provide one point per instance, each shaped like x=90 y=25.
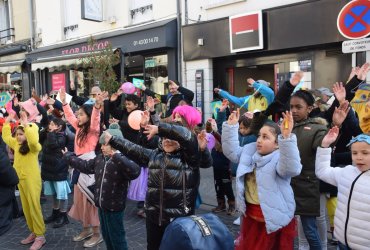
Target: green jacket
x=306 y=185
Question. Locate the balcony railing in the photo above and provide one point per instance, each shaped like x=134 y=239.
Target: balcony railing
x=6 y=35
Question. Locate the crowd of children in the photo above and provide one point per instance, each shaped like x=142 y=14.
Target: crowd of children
x=282 y=169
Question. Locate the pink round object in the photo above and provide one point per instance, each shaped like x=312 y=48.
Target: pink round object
x=128 y=88
x=211 y=141
x=134 y=119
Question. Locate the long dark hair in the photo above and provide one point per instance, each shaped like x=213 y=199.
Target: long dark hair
x=24 y=148
x=84 y=128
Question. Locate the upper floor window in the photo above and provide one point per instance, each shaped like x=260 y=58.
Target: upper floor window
x=72 y=15
x=6 y=32
x=141 y=11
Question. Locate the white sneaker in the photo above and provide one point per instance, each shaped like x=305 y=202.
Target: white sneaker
x=237 y=221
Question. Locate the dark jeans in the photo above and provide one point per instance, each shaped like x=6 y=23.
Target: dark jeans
x=154 y=235
x=343 y=246
x=311 y=232
x=111 y=224
x=223 y=184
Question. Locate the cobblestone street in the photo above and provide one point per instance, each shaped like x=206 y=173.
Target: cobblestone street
x=135 y=227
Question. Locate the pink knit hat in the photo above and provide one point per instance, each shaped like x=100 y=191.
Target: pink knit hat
x=190 y=114
x=31 y=109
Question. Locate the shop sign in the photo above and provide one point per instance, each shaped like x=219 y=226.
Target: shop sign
x=145 y=41
x=246 y=32
x=86 y=48
x=358 y=45
x=354 y=19
x=58 y=81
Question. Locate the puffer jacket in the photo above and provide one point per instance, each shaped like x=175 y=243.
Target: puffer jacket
x=358 y=227
x=53 y=166
x=112 y=177
x=306 y=186
x=173 y=177
x=273 y=175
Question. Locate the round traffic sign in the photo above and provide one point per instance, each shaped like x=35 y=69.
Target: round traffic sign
x=354 y=19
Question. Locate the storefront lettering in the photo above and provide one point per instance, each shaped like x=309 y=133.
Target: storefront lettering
x=86 y=48
x=146 y=41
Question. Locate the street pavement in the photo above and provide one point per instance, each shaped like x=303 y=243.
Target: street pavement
x=61 y=238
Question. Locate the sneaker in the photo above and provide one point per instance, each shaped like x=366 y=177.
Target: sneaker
x=219 y=209
x=93 y=241
x=38 y=243
x=231 y=210
x=31 y=238
x=83 y=235
x=237 y=221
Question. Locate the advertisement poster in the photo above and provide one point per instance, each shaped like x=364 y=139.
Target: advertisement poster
x=58 y=81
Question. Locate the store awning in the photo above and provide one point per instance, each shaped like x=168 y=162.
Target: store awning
x=11 y=67
x=55 y=64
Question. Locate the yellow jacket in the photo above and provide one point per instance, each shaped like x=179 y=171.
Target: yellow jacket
x=26 y=166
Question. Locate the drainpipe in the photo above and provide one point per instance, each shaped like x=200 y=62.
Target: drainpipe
x=179 y=50
x=11 y=25
x=30 y=7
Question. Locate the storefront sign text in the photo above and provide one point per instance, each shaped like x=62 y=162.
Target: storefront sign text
x=146 y=41
x=86 y=48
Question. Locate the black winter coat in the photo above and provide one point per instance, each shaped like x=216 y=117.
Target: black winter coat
x=173 y=177
x=8 y=180
x=53 y=166
x=112 y=177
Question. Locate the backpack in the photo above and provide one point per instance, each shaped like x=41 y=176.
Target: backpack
x=197 y=232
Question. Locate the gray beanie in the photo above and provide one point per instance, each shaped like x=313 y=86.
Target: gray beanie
x=114 y=130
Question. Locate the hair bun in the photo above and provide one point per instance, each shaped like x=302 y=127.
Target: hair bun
x=114 y=126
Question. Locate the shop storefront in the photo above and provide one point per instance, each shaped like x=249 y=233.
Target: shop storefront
x=147 y=52
x=302 y=36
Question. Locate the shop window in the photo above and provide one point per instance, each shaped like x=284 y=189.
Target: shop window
x=72 y=15
x=6 y=32
x=141 y=11
x=306 y=67
x=157 y=76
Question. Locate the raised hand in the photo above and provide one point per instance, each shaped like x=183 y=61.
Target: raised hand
x=362 y=73
x=150 y=131
x=62 y=95
x=45 y=97
x=330 y=137
x=340 y=113
x=115 y=96
x=65 y=150
x=234 y=117
x=202 y=140
x=224 y=105
x=150 y=103
x=99 y=99
x=354 y=72
x=216 y=90
x=339 y=92
x=287 y=125
x=145 y=117
x=10 y=117
x=50 y=101
x=72 y=85
x=250 y=82
x=23 y=118
x=296 y=78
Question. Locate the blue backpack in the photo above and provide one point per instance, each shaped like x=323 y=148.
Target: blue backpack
x=197 y=232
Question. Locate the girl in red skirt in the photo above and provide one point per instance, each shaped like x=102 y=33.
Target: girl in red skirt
x=264 y=195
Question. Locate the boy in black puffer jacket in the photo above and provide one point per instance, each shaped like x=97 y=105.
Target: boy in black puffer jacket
x=113 y=171
x=54 y=170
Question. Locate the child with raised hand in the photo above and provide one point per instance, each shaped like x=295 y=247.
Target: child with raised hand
x=264 y=194
x=87 y=126
x=352 y=217
x=26 y=148
x=173 y=174
x=113 y=171
x=54 y=171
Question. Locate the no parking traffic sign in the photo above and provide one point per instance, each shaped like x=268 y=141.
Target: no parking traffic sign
x=354 y=19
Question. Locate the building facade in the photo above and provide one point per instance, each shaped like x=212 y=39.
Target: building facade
x=286 y=36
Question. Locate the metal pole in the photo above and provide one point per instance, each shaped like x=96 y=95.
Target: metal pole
x=30 y=6
x=179 y=49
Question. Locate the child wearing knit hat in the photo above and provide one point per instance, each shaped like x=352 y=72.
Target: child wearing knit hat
x=113 y=171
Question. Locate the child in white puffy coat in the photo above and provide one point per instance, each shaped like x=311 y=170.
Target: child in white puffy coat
x=352 y=217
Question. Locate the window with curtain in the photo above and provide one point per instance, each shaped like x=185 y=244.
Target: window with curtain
x=141 y=11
